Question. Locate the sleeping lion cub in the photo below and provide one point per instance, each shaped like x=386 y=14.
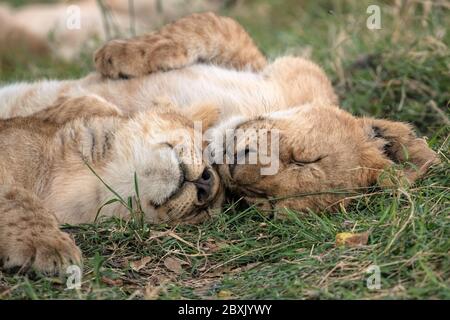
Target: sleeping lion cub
x=323 y=152
x=48 y=179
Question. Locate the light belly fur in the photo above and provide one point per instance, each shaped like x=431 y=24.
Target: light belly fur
x=234 y=92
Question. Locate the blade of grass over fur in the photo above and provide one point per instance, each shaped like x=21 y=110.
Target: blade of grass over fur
x=138 y=200
x=127 y=204
x=119 y=198
x=104 y=205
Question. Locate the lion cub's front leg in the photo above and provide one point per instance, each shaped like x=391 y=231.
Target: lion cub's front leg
x=199 y=37
x=29 y=235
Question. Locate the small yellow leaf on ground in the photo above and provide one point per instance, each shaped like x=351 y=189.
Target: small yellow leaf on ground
x=351 y=239
x=224 y=294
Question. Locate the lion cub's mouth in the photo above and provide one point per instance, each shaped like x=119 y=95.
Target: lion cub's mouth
x=194 y=200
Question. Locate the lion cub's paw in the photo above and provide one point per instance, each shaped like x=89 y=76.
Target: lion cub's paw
x=133 y=58
x=48 y=252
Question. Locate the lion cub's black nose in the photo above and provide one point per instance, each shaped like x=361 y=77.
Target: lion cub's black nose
x=204 y=186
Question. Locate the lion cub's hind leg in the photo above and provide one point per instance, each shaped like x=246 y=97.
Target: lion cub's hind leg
x=30 y=237
x=66 y=109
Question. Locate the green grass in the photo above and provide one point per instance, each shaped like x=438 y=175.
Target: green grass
x=400 y=72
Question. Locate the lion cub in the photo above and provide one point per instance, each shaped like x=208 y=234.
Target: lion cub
x=46 y=175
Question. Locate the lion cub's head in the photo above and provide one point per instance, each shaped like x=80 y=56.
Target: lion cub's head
x=314 y=157
x=175 y=183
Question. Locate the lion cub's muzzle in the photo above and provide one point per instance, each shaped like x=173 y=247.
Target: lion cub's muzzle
x=207 y=187
x=198 y=200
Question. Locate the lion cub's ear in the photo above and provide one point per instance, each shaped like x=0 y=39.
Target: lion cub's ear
x=207 y=114
x=398 y=142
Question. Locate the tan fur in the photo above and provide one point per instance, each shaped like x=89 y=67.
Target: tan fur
x=184 y=42
x=66 y=109
x=325 y=152
x=47 y=179
x=327 y=155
